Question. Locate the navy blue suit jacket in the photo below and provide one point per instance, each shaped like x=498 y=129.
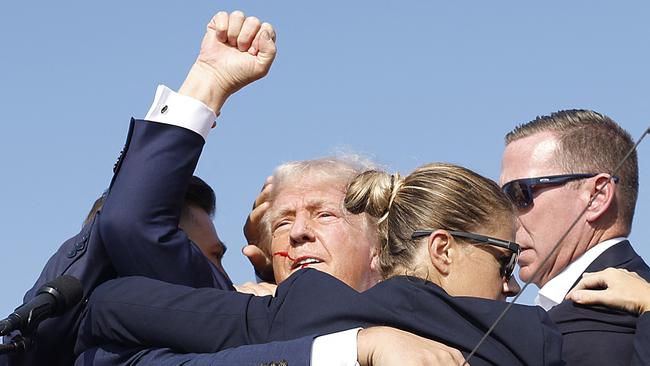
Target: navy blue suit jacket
x=641 y=354
x=596 y=335
x=292 y=353
x=139 y=310
x=136 y=233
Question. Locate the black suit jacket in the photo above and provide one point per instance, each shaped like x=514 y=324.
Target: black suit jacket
x=596 y=335
x=136 y=233
x=641 y=354
x=148 y=312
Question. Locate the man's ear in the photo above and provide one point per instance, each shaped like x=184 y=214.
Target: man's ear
x=374 y=260
x=603 y=200
x=375 y=266
x=440 y=245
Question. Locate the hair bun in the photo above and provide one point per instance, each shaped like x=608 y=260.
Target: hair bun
x=372 y=192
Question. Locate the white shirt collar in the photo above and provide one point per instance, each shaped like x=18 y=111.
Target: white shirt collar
x=555 y=290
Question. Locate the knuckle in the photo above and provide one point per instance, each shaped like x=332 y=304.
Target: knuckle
x=237 y=14
x=220 y=26
x=253 y=20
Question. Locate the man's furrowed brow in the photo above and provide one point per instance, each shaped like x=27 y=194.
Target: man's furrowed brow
x=313 y=204
x=274 y=215
x=319 y=203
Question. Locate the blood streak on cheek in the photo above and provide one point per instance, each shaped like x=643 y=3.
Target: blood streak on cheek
x=284 y=254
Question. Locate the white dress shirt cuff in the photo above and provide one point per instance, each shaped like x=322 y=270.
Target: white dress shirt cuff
x=175 y=109
x=336 y=349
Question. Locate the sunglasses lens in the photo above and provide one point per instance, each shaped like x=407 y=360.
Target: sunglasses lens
x=511 y=266
x=518 y=193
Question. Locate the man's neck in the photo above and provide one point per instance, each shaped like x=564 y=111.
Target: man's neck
x=554 y=291
x=599 y=236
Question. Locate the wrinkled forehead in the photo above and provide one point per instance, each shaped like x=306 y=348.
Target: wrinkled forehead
x=308 y=194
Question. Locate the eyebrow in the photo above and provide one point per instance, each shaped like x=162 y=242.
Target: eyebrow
x=310 y=206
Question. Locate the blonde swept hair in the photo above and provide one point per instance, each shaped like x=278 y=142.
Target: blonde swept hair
x=436 y=195
x=332 y=170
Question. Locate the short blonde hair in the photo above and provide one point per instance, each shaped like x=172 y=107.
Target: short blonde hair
x=436 y=195
x=590 y=142
x=334 y=170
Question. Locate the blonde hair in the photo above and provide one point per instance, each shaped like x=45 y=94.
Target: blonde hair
x=436 y=195
x=333 y=170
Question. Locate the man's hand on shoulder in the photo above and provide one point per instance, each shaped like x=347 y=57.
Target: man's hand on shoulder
x=613 y=287
x=236 y=50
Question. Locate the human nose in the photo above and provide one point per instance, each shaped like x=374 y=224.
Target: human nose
x=301 y=232
x=511 y=287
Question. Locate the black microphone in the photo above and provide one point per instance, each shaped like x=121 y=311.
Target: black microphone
x=52 y=299
x=18 y=344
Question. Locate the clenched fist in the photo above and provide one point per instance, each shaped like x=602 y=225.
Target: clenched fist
x=236 y=50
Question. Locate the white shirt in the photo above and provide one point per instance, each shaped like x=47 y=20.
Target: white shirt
x=169 y=107
x=180 y=110
x=555 y=290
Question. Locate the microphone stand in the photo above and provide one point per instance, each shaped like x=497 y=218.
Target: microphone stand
x=18 y=344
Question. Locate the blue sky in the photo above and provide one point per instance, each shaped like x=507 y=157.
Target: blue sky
x=405 y=83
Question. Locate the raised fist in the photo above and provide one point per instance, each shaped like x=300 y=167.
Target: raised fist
x=235 y=51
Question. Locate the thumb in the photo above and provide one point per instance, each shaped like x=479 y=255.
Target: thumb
x=267 y=48
x=254 y=254
x=260 y=261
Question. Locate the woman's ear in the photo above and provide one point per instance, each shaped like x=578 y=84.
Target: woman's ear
x=440 y=245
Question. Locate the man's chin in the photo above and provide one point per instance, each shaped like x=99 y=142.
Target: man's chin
x=526 y=273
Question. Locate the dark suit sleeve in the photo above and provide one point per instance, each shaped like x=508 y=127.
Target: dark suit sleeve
x=294 y=353
x=594 y=335
x=140 y=311
x=641 y=355
x=551 y=340
x=139 y=220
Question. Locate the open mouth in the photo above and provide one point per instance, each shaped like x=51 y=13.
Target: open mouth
x=300 y=262
x=303 y=262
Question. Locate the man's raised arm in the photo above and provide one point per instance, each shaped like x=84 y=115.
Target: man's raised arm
x=139 y=221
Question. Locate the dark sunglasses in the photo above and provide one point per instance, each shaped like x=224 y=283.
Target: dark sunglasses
x=520 y=191
x=507 y=264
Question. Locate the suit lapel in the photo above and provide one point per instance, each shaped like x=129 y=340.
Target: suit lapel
x=616 y=256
